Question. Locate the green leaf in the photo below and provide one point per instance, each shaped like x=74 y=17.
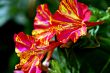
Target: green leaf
x=55 y=67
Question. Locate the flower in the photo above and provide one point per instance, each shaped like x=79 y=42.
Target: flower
x=72 y=18
x=45 y=23
x=30 y=55
x=69 y=22
x=43 y=17
x=43 y=30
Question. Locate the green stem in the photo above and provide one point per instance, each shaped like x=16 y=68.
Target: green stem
x=106 y=65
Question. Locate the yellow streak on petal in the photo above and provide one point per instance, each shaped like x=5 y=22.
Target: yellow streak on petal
x=18 y=52
x=23 y=61
x=43 y=23
x=38 y=62
x=18 y=39
x=37 y=32
x=65 y=10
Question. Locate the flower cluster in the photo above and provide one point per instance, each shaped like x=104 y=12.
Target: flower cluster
x=69 y=22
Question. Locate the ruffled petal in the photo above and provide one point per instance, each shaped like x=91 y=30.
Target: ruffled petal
x=23 y=41
x=83 y=11
x=78 y=33
x=43 y=38
x=67 y=11
x=73 y=34
x=43 y=17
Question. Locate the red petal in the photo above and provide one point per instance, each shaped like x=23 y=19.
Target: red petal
x=23 y=38
x=23 y=41
x=64 y=36
x=67 y=11
x=72 y=34
x=22 y=47
x=43 y=37
x=43 y=17
x=32 y=65
x=83 y=11
x=78 y=33
x=42 y=24
x=35 y=70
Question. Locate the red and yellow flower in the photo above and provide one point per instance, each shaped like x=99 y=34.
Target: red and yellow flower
x=30 y=55
x=72 y=17
x=69 y=22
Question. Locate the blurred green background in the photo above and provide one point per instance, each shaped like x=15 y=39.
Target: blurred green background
x=91 y=54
